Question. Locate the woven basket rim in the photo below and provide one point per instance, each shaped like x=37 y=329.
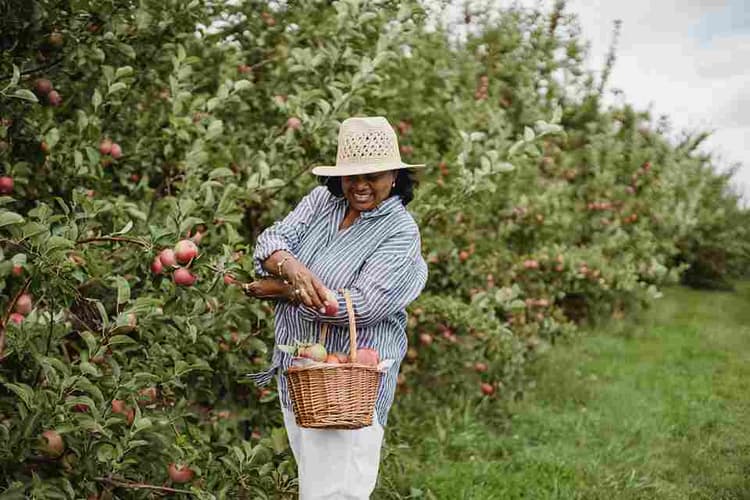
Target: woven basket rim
x=293 y=369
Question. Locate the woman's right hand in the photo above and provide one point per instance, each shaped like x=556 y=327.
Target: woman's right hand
x=306 y=286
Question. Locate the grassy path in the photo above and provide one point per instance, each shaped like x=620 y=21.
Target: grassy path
x=659 y=410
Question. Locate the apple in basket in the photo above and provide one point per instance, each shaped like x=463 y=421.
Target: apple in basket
x=316 y=352
x=367 y=356
x=331 y=303
x=337 y=358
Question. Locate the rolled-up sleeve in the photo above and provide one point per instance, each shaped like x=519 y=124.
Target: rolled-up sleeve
x=287 y=233
x=390 y=279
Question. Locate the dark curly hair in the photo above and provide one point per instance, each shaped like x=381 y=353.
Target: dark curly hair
x=406 y=183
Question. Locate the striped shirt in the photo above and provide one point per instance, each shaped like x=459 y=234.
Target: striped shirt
x=378 y=259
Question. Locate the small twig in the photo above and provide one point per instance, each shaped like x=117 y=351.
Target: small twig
x=34 y=70
x=113 y=238
x=141 y=486
x=6 y=315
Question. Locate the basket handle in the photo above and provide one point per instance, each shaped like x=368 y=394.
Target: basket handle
x=352 y=328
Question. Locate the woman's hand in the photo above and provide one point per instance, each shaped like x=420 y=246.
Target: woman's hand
x=305 y=285
x=269 y=288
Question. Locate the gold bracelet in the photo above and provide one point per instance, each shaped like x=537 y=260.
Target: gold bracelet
x=280 y=265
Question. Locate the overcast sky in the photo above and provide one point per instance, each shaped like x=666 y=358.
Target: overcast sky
x=688 y=59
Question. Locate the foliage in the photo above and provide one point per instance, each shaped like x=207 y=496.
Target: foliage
x=128 y=126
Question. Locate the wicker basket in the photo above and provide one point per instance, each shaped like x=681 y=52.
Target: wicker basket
x=335 y=396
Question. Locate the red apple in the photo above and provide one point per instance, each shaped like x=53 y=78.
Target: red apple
x=331 y=303
x=332 y=359
x=54 y=98
x=487 y=389
x=23 y=304
x=244 y=69
x=185 y=251
x=229 y=279
x=156 y=266
x=184 y=277
x=480 y=367
x=463 y=255
x=367 y=356
x=54 y=444
x=44 y=147
x=167 y=257
x=147 y=396
x=425 y=339
x=17 y=270
x=16 y=318
x=293 y=123
x=115 y=151
x=43 y=86
x=105 y=146
x=119 y=406
x=180 y=473
x=6 y=184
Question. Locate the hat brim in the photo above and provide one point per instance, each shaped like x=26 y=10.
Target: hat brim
x=338 y=171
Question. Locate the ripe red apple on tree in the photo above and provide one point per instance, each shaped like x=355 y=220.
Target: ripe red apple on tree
x=17 y=270
x=53 y=445
x=480 y=367
x=119 y=407
x=105 y=146
x=156 y=266
x=23 y=304
x=16 y=318
x=184 y=277
x=44 y=147
x=487 y=389
x=115 y=151
x=6 y=184
x=229 y=279
x=185 y=251
x=167 y=257
x=180 y=473
x=54 y=98
x=42 y=86
x=293 y=123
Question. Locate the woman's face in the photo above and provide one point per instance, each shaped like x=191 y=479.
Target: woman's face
x=365 y=192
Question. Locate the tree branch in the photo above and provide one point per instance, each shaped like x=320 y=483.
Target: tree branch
x=113 y=238
x=34 y=70
x=140 y=486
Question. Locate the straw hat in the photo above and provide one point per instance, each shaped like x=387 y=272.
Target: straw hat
x=366 y=145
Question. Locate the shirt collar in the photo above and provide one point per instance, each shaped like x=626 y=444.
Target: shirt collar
x=386 y=206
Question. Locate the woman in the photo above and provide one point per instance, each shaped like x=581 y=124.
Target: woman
x=352 y=233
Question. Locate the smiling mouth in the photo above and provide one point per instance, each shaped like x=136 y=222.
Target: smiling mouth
x=362 y=198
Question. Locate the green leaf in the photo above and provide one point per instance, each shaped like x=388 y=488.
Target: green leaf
x=125 y=229
x=116 y=87
x=96 y=100
x=528 y=134
x=25 y=94
x=121 y=340
x=58 y=242
x=7 y=218
x=52 y=137
x=123 y=289
x=123 y=72
x=215 y=129
x=279 y=441
x=241 y=85
x=24 y=392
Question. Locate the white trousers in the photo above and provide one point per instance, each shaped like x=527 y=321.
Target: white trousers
x=335 y=464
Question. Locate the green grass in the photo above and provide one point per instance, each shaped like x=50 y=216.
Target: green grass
x=658 y=409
